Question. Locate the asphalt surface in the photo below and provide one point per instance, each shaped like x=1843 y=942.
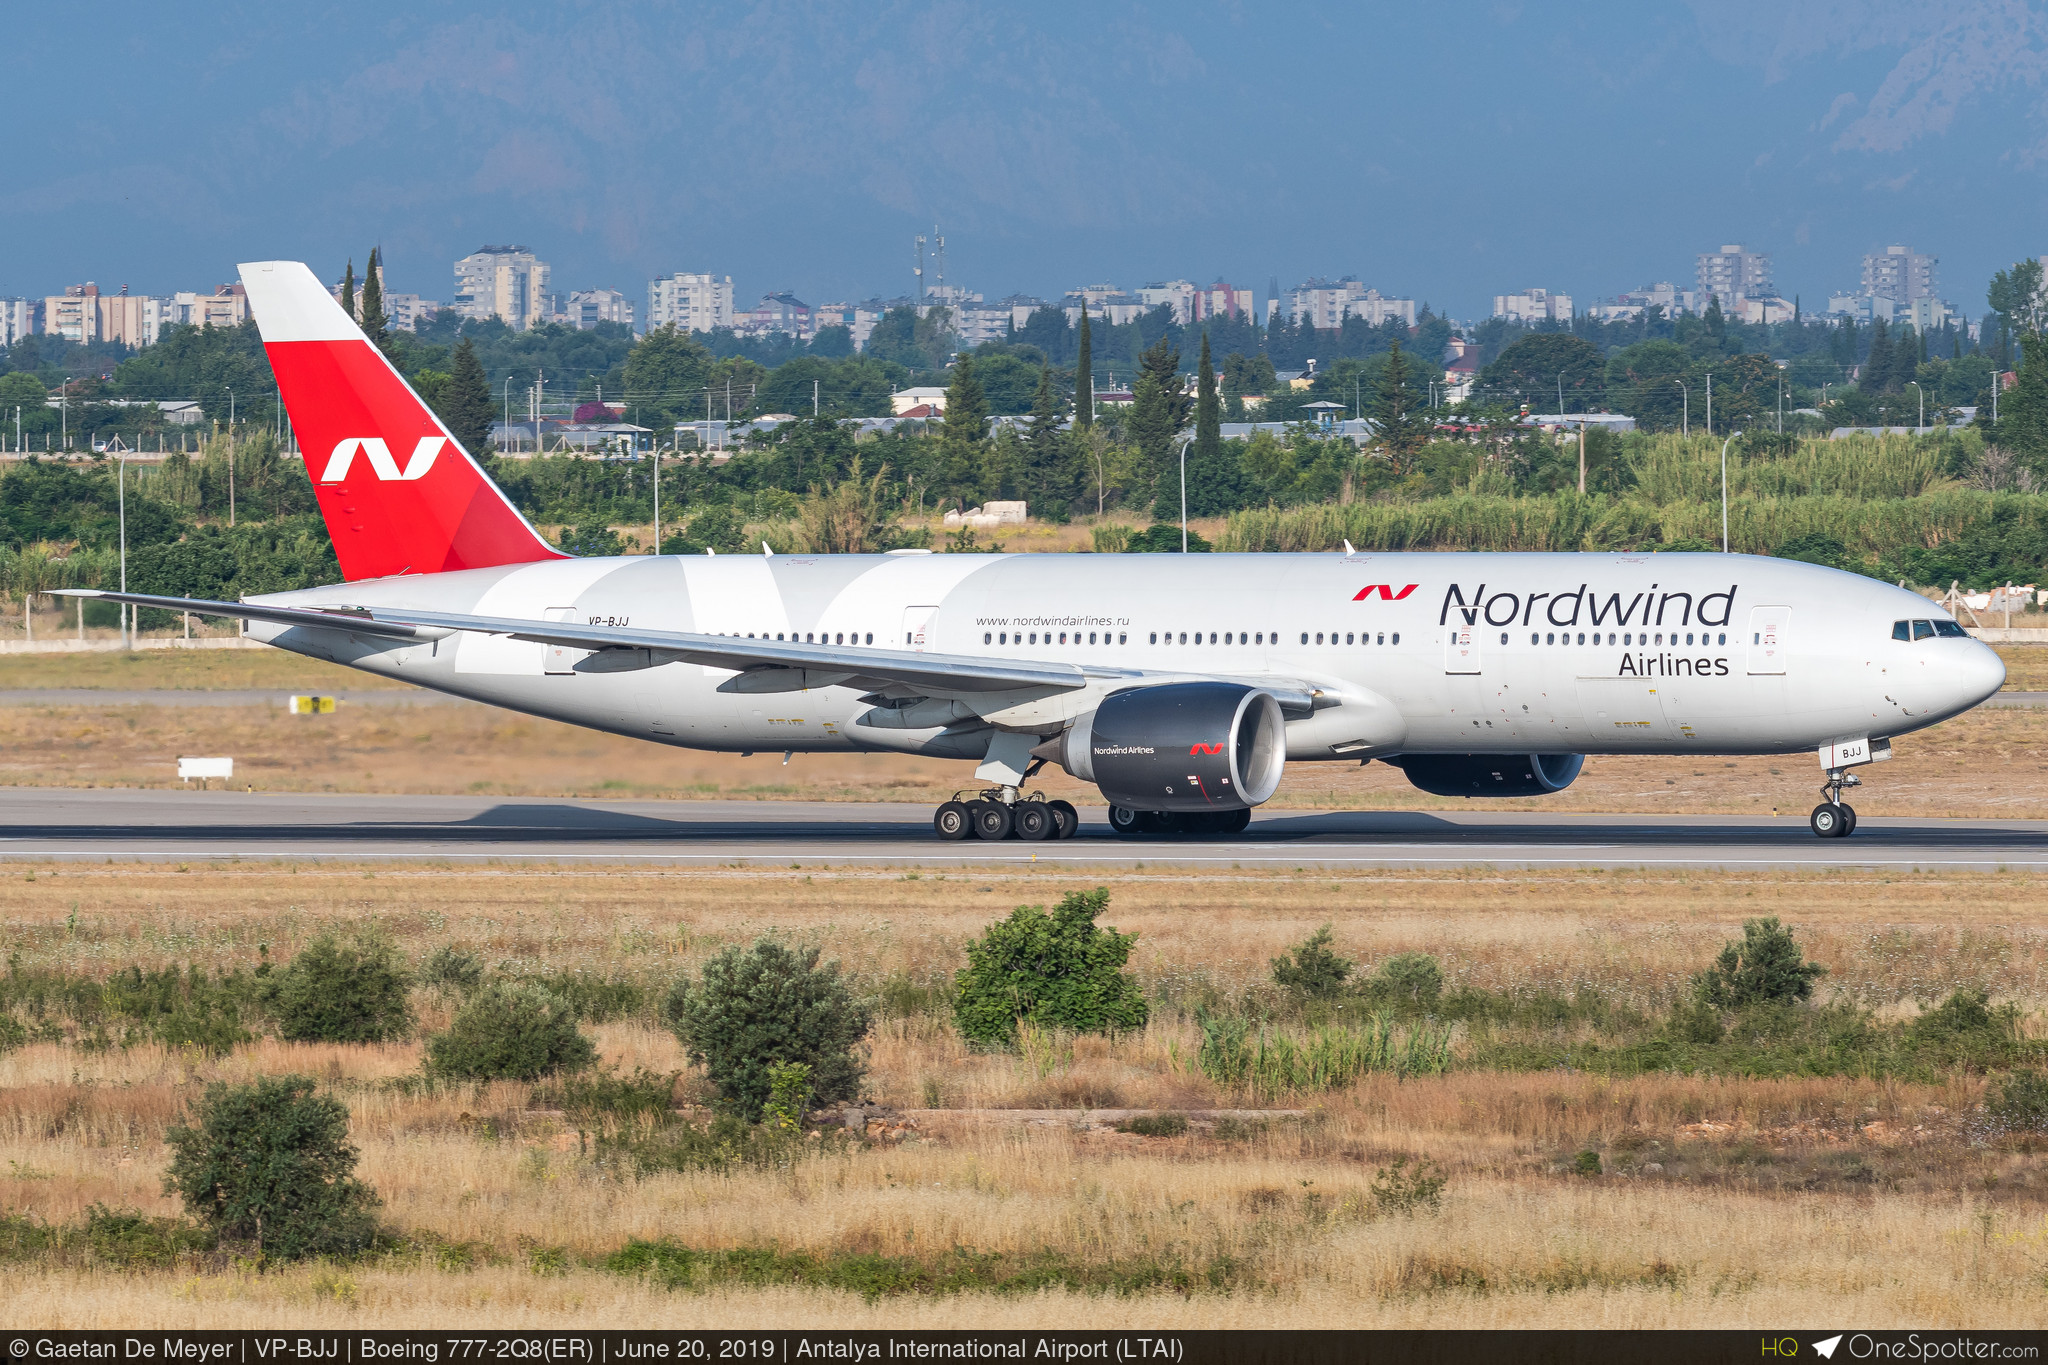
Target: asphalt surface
x=186 y=825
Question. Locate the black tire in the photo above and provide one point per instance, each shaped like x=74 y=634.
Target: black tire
x=1827 y=821
x=1034 y=822
x=1848 y=820
x=1126 y=823
x=1237 y=822
x=953 y=821
x=1067 y=820
x=992 y=821
x=1157 y=822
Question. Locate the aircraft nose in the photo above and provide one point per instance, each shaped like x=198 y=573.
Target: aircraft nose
x=1979 y=673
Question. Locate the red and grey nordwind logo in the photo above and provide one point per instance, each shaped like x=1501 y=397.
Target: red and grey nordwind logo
x=1384 y=591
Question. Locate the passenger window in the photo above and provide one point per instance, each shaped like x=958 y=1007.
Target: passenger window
x=1724 y=637
x=1503 y=637
x=1923 y=630
x=1383 y=638
x=1183 y=637
x=1949 y=630
x=1319 y=637
x=987 y=638
x=1397 y=637
x=1304 y=637
x=1121 y=638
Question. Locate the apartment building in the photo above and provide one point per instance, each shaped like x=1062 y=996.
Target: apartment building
x=1732 y=274
x=1178 y=295
x=17 y=319
x=1326 y=303
x=1533 y=305
x=782 y=312
x=1900 y=274
x=505 y=282
x=588 y=307
x=691 y=302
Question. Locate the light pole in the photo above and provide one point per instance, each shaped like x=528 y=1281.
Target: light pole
x=1724 y=490
x=1710 y=403
x=1184 y=493
x=121 y=499
x=508 y=407
x=1684 y=408
x=1922 y=424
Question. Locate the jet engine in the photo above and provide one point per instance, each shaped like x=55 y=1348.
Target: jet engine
x=1196 y=746
x=1490 y=774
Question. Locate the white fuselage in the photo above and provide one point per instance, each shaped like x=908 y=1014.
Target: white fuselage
x=1407 y=653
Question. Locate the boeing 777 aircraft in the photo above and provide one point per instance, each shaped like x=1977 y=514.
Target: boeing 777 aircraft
x=1180 y=686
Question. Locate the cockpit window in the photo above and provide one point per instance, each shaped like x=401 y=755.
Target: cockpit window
x=1902 y=630
x=1949 y=630
x=1923 y=630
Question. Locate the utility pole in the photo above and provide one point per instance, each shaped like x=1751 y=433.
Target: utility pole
x=1710 y=403
x=1582 y=459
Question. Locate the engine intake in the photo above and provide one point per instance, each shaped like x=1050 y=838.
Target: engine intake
x=1181 y=747
x=1491 y=774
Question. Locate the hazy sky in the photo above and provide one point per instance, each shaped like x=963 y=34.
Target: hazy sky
x=1442 y=152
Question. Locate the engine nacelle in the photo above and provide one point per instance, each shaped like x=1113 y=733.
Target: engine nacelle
x=1491 y=774
x=1181 y=747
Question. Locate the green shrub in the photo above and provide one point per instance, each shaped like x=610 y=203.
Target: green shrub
x=595 y=1000
x=765 y=1006
x=789 y=1096
x=604 y=1098
x=1968 y=1030
x=1411 y=983
x=452 y=968
x=512 y=1032
x=1058 y=970
x=1765 y=968
x=270 y=1163
x=1586 y=1163
x=1405 y=1188
x=181 y=1009
x=340 y=993
x=1283 y=1062
x=128 y=1239
x=1156 y=1125
x=1312 y=970
x=13 y=1033
x=2020 y=1102
x=726 y=1143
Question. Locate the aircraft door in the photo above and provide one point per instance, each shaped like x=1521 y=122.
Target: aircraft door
x=1768 y=628
x=916 y=622
x=1461 y=649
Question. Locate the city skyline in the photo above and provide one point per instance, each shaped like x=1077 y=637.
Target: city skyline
x=800 y=148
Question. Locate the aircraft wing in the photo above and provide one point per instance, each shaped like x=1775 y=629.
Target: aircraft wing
x=763 y=665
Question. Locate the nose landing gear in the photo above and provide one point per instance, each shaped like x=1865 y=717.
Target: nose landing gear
x=1834 y=818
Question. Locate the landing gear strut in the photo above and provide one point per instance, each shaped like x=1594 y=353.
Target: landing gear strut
x=997 y=813
x=1834 y=818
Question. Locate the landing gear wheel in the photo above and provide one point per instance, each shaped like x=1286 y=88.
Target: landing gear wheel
x=1126 y=823
x=1236 y=822
x=1034 y=822
x=953 y=821
x=992 y=820
x=1848 y=819
x=1160 y=822
x=1066 y=820
x=1828 y=821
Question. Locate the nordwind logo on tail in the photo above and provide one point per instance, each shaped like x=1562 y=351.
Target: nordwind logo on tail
x=423 y=456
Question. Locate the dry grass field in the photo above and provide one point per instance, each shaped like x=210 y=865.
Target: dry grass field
x=1722 y=1201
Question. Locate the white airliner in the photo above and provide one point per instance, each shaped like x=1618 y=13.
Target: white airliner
x=1180 y=686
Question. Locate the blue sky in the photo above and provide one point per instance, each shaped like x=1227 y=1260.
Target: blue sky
x=1443 y=152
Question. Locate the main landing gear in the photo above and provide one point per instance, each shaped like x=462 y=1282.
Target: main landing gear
x=1834 y=818
x=1005 y=813
x=1136 y=824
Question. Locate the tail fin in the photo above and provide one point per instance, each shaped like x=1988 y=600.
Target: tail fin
x=400 y=494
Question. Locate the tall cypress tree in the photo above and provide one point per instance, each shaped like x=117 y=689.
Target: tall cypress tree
x=1045 y=460
x=348 y=289
x=1084 y=377
x=1399 y=432
x=375 y=324
x=1877 y=366
x=466 y=400
x=1208 y=409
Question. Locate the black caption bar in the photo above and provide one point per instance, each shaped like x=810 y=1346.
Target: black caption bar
x=774 y=1347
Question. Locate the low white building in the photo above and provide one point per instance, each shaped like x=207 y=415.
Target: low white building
x=1533 y=305
x=903 y=400
x=988 y=516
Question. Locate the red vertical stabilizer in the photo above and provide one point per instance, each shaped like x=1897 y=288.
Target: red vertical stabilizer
x=399 y=493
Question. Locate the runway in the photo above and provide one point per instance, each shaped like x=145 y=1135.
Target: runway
x=189 y=825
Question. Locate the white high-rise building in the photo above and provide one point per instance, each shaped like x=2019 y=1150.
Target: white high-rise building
x=1326 y=303
x=506 y=282
x=1177 y=294
x=1734 y=274
x=1533 y=305
x=588 y=307
x=694 y=303
x=17 y=319
x=1899 y=274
